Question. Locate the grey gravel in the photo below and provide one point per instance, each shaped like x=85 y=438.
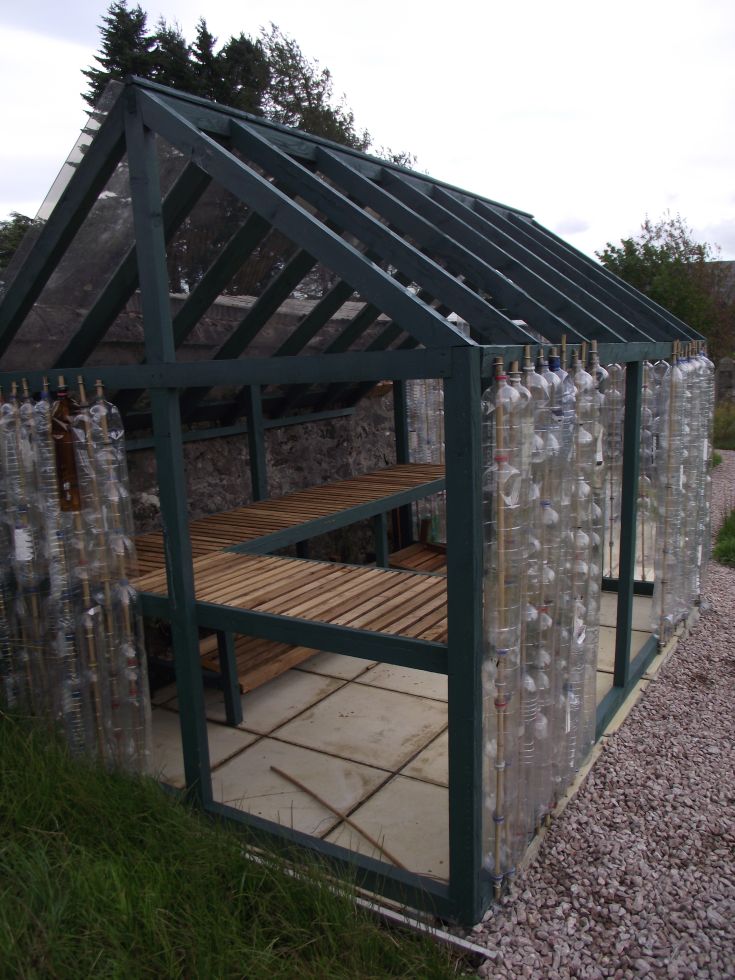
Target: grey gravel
x=636 y=877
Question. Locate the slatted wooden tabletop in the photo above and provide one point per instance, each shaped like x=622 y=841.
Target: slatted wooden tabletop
x=421 y=557
x=374 y=599
x=256 y=660
x=222 y=530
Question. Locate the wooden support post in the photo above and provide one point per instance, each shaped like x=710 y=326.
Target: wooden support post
x=160 y=350
x=380 y=532
x=230 y=682
x=628 y=520
x=256 y=442
x=400 y=424
x=464 y=606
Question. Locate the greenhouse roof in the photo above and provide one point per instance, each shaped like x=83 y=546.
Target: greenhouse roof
x=350 y=253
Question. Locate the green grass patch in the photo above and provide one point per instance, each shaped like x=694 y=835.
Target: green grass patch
x=104 y=875
x=724 y=549
x=716 y=459
x=724 y=426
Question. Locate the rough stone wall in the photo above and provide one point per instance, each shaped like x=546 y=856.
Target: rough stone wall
x=298 y=456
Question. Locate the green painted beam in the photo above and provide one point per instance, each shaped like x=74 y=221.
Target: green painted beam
x=621 y=288
x=256 y=443
x=255 y=319
x=350 y=218
x=159 y=347
x=425 y=235
x=402 y=651
x=584 y=278
x=186 y=191
x=213 y=118
x=226 y=432
x=351 y=366
x=409 y=890
x=520 y=292
x=357 y=326
x=230 y=260
x=87 y=181
x=462 y=419
x=337 y=393
x=628 y=521
x=297 y=223
x=580 y=302
x=269 y=543
x=613 y=700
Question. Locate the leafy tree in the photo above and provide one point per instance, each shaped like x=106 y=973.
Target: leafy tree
x=12 y=231
x=666 y=263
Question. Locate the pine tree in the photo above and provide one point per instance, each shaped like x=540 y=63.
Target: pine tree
x=126 y=48
x=171 y=62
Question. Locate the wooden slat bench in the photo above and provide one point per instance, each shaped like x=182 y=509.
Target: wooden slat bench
x=297 y=511
x=268 y=585
x=420 y=557
x=374 y=599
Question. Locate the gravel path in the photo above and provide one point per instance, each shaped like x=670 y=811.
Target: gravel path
x=637 y=876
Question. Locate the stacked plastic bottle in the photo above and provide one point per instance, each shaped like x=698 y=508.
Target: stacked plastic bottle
x=684 y=412
x=425 y=407
x=614 y=389
x=71 y=644
x=542 y=570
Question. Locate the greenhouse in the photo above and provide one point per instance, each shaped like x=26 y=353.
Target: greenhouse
x=478 y=482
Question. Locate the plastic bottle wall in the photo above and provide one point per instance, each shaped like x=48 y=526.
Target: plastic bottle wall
x=71 y=645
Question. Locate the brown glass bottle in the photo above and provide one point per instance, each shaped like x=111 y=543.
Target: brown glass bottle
x=66 y=468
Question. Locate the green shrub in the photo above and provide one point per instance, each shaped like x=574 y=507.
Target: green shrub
x=724 y=430
x=724 y=550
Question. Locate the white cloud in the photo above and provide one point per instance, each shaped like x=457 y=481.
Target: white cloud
x=573 y=109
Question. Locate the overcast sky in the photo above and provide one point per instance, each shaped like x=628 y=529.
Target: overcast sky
x=589 y=115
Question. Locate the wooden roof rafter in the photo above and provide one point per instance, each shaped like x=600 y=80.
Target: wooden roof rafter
x=410 y=247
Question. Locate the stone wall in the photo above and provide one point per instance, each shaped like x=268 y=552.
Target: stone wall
x=298 y=456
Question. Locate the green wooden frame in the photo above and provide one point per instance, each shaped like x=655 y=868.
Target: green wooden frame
x=511 y=267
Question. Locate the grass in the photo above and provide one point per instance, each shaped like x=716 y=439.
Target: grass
x=724 y=550
x=724 y=427
x=104 y=875
x=716 y=459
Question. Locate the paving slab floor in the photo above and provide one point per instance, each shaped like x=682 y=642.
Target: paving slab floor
x=369 y=738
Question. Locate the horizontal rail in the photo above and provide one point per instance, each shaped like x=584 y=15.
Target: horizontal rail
x=401 y=651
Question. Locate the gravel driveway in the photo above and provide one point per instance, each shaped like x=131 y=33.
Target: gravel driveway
x=637 y=876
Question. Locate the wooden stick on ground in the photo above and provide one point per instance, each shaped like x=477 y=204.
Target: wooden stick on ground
x=342 y=816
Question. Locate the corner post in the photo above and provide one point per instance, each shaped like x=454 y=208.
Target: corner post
x=160 y=349
x=628 y=521
x=462 y=392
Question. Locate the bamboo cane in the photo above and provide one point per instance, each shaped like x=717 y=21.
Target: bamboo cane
x=342 y=816
x=102 y=553
x=69 y=660
x=120 y=570
x=26 y=539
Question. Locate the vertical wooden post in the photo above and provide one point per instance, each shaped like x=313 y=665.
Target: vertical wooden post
x=400 y=425
x=628 y=521
x=380 y=533
x=160 y=349
x=256 y=442
x=464 y=607
x=230 y=680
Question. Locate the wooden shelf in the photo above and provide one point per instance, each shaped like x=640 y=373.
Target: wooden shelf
x=269 y=524
x=376 y=600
